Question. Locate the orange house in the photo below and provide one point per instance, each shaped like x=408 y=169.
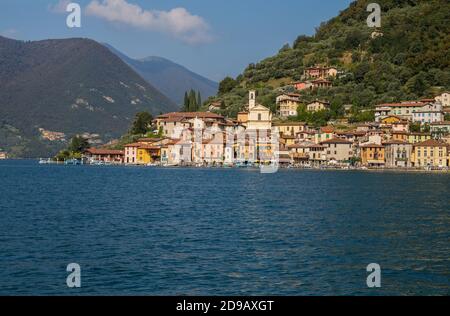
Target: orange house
x=372 y=155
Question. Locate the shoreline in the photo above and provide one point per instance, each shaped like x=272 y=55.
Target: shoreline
x=252 y=168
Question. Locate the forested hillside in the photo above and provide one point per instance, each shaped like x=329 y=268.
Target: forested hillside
x=407 y=58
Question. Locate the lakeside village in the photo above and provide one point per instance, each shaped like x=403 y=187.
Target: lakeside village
x=258 y=137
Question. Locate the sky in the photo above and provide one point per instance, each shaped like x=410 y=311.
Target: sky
x=215 y=38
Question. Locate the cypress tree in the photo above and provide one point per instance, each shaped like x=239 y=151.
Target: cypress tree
x=199 y=100
x=186 y=102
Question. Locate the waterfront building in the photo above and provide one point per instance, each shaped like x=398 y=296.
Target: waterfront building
x=287 y=104
x=372 y=155
x=431 y=153
x=104 y=155
x=307 y=153
x=398 y=154
x=338 y=150
x=3 y=155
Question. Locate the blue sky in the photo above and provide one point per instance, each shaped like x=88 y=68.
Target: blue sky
x=215 y=38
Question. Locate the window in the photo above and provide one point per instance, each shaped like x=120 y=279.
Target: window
x=259 y=117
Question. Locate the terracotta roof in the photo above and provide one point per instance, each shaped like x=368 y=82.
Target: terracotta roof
x=431 y=143
x=396 y=142
x=327 y=129
x=133 y=145
x=190 y=115
x=371 y=146
x=101 y=151
x=289 y=124
x=441 y=123
x=405 y=104
x=336 y=141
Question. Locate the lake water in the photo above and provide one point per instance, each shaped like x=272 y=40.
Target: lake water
x=152 y=231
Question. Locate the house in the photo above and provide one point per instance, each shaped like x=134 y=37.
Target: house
x=317 y=106
x=405 y=110
x=417 y=137
x=398 y=154
x=290 y=128
x=399 y=136
x=320 y=72
x=351 y=136
x=338 y=149
x=3 y=155
x=287 y=104
x=372 y=155
x=307 y=153
x=323 y=134
x=259 y=117
x=215 y=106
x=172 y=124
x=131 y=153
x=444 y=99
x=431 y=153
x=242 y=118
x=429 y=113
x=104 y=155
x=255 y=145
x=302 y=85
x=322 y=83
x=441 y=128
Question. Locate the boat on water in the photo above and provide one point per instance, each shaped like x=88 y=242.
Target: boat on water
x=73 y=162
x=47 y=161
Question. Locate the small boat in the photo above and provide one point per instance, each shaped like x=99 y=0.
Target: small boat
x=45 y=161
x=73 y=162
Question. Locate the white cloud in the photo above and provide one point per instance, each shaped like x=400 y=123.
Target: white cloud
x=179 y=22
x=59 y=7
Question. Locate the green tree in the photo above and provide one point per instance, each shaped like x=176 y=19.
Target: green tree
x=142 y=123
x=192 y=101
x=199 y=100
x=186 y=102
x=78 y=144
x=226 y=85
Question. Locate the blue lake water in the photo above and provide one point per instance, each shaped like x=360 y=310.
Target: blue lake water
x=152 y=231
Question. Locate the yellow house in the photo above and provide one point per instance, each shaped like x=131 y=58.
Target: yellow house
x=290 y=128
x=431 y=153
x=372 y=155
x=414 y=138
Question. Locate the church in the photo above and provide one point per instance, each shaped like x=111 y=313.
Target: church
x=258 y=116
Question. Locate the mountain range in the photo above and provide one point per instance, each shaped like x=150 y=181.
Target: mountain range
x=51 y=90
x=172 y=79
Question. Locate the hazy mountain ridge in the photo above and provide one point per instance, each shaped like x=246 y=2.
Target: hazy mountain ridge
x=170 y=78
